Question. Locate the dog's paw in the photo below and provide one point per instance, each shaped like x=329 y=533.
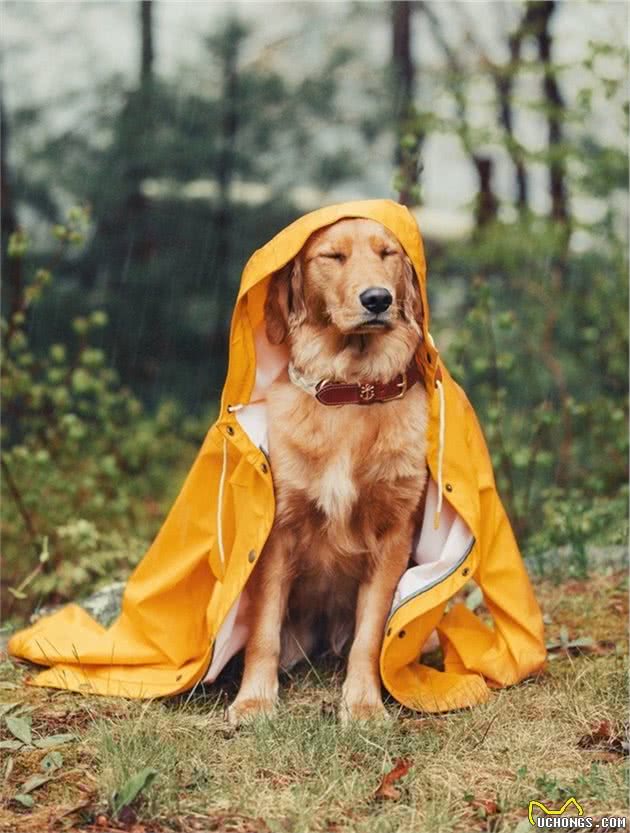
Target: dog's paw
x=244 y=711
x=361 y=710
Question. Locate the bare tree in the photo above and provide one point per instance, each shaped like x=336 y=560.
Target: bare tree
x=407 y=153
x=537 y=23
x=12 y=267
x=503 y=77
x=228 y=46
x=147 y=52
x=487 y=204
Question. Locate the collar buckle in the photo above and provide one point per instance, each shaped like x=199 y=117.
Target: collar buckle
x=402 y=385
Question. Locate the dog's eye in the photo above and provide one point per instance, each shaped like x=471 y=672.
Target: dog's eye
x=388 y=253
x=333 y=256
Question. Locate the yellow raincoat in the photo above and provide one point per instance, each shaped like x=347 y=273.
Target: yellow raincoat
x=184 y=611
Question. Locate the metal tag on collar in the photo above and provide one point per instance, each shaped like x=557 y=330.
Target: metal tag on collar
x=367 y=392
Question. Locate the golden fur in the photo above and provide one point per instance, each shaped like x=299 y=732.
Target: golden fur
x=349 y=479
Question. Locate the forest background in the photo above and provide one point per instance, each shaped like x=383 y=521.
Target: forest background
x=149 y=148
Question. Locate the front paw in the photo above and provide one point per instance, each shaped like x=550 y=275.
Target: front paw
x=244 y=711
x=359 y=703
x=351 y=712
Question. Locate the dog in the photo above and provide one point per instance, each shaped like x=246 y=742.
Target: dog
x=349 y=479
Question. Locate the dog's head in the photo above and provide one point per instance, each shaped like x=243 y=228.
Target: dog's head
x=352 y=278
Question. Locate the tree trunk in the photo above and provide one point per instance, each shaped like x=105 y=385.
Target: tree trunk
x=147 y=53
x=539 y=15
x=487 y=204
x=11 y=267
x=227 y=138
x=406 y=158
x=139 y=114
x=504 y=81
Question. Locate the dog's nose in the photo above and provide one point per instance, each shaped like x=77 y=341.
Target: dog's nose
x=376 y=299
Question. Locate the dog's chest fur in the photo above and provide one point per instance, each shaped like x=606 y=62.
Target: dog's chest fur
x=344 y=475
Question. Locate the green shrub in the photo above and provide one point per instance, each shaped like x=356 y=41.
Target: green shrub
x=86 y=473
x=542 y=352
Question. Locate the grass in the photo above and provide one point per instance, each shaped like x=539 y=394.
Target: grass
x=476 y=770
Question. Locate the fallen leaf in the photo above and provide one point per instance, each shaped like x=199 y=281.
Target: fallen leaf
x=24 y=709
x=420 y=724
x=485 y=807
x=6 y=707
x=20 y=727
x=386 y=790
x=11 y=744
x=34 y=782
x=603 y=734
x=51 y=762
x=53 y=740
x=566 y=644
x=581 y=645
x=24 y=800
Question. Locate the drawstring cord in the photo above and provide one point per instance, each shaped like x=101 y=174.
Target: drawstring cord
x=442 y=406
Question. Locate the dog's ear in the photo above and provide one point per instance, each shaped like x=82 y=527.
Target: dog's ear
x=277 y=306
x=297 y=302
x=285 y=302
x=412 y=302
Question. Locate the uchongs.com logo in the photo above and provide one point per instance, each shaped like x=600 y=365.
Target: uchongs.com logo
x=571 y=817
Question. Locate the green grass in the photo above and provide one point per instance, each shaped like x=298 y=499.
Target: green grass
x=474 y=770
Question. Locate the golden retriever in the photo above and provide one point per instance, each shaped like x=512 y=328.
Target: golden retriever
x=349 y=479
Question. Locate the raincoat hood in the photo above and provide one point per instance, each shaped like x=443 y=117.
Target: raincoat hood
x=185 y=607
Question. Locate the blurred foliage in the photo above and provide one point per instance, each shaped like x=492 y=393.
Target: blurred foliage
x=542 y=353
x=186 y=177
x=541 y=340
x=86 y=472
x=115 y=324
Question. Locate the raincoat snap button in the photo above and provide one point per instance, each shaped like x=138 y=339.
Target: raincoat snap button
x=264 y=468
x=252 y=556
x=389 y=632
x=230 y=430
x=449 y=488
x=402 y=634
x=465 y=571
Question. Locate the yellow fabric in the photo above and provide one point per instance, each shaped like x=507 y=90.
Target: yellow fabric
x=180 y=593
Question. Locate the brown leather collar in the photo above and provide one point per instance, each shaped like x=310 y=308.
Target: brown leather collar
x=368 y=393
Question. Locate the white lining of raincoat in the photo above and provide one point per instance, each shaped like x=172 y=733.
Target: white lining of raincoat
x=436 y=551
